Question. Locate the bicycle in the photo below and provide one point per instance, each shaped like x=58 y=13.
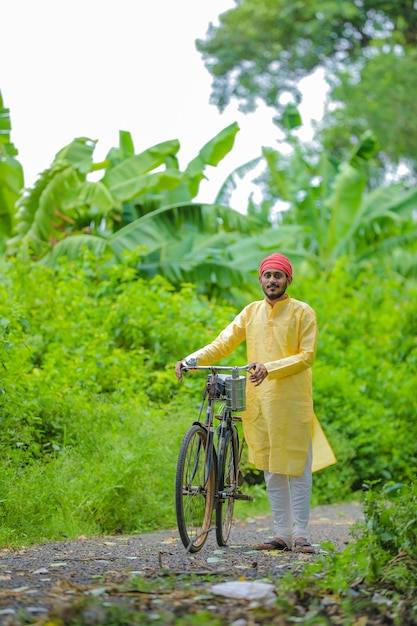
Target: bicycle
x=208 y=475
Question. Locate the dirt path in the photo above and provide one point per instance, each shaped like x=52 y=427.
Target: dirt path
x=34 y=580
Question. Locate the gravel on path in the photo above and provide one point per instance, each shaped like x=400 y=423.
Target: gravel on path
x=35 y=579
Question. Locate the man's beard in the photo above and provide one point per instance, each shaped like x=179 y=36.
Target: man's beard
x=276 y=295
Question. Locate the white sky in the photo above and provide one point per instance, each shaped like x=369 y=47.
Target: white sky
x=72 y=68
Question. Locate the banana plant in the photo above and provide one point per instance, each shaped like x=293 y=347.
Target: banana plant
x=11 y=174
x=64 y=202
x=331 y=201
x=143 y=204
x=182 y=242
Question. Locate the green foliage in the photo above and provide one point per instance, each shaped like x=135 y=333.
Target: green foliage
x=87 y=358
x=186 y=243
x=11 y=175
x=267 y=45
x=364 y=376
x=89 y=404
x=150 y=213
x=131 y=208
x=391 y=523
x=63 y=203
x=380 y=96
x=374 y=576
x=334 y=212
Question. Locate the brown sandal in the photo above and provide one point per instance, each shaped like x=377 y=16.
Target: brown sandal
x=274 y=544
x=304 y=546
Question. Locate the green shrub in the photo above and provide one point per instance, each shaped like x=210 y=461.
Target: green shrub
x=89 y=404
x=364 y=377
x=374 y=579
x=87 y=356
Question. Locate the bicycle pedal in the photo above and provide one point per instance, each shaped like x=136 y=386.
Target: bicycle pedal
x=242 y=496
x=218 y=416
x=236 y=418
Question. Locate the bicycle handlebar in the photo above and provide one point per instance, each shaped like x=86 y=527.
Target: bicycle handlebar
x=214 y=368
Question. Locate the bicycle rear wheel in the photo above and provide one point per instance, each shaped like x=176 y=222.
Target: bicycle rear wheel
x=225 y=502
x=194 y=488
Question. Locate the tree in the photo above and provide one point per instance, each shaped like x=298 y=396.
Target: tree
x=382 y=98
x=262 y=48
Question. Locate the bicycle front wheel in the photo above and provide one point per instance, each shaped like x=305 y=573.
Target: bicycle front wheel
x=225 y=502
x=194 y=488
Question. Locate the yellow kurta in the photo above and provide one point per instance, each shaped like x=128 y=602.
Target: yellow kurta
x=279 y=420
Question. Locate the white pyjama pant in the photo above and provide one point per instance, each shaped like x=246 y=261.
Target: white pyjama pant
x=289 y=497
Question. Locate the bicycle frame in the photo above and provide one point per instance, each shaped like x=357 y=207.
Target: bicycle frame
x=227 y=418
x=219 y=487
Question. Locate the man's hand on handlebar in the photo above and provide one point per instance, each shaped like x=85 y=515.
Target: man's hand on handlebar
x=184 y=365
x=258 y=374
x=178 y=369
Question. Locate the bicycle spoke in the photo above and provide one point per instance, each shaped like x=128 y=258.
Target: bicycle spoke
x=195 y=485
x=227 y=487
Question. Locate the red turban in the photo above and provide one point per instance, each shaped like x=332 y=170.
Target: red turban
x=276 y=261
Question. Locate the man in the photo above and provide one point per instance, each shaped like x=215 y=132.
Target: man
x=281 y=430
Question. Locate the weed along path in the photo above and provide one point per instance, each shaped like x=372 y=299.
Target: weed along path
x=151 y=579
